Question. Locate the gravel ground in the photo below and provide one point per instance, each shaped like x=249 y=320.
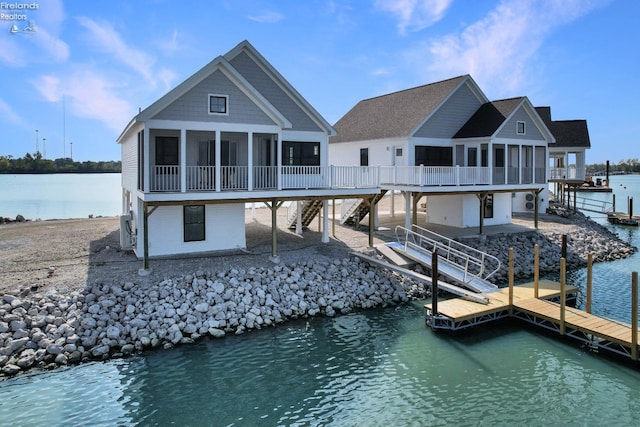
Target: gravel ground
x=69 y=254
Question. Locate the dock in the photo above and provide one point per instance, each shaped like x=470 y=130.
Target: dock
x=548 y=310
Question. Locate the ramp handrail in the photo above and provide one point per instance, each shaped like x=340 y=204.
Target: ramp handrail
x=593 y=205
x=470 y=261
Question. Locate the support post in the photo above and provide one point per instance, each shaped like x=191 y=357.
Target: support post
x=563 y=295
x=614 y=202
x=333 y=217
x=325 y=221
x=511 y=280
x=274 y=227
x=536 y=207
x=483 y=200
x=536 y=270
x=393 y=203
x=589 y=281
x=434 y=283
x=407 y=210
x=416 y=199
x=145 y=243
x=372 y=220
x=563 y=250
x=630 y=207
x=634 y=315
x=299 y=217
x=575 y=198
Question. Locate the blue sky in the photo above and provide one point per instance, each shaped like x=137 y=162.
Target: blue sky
x=87 y=67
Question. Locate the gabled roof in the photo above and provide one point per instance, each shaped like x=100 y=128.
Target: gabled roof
x=221 y=63
x=568 y=133
x=492 y=116
x=396 y=114
x=489 y=117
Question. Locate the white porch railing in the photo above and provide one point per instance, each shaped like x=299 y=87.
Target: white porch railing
x=570 y=172
x=434 y=175
x=236 y=178
x=165 y=178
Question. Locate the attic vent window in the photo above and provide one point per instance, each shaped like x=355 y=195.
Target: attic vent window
x=219 y=104
x=520 y=128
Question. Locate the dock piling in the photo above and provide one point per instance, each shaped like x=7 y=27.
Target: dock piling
x=563 y=252
x=511 y=280
x=634 y=315
x=563 y=295
x=434 y=283
x=536 y=269
x=589 y=281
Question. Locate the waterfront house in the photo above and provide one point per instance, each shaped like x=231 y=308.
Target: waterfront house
x=567 y=156
x=473 y=159
x=234 y=132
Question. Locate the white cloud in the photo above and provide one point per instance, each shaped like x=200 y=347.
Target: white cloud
x=87 y=95
x=414 y=15
x=7 y=113
x=105 y=38
x=267 y=17
x=499 y=51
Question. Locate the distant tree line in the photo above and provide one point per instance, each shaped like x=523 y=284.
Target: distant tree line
x=624 y=166
x=35 y=163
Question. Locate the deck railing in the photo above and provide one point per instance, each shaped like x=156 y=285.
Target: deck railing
x=236 y=178
x=434 y=175
x=570 y=172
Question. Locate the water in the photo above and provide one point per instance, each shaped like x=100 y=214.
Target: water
x=378 y=367
x=60 y=196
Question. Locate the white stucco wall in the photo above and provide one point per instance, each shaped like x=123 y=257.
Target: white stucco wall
x=462 y=210
x=224 y=229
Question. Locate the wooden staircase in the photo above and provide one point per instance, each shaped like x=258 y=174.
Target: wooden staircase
x=358 y=209
x=310 y=209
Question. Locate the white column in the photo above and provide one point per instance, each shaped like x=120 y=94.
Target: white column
x=325 y=221
x=183 y=160
x=250 y=161
x=218 y=161
x=147 y=160
x=279 y=159
x=407 y=210
x=393 y=203
x=298 y=217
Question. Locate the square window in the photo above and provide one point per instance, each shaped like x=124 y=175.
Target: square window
x=520 y=128
x=194 y=227
x=398 y=152
x=218 y=104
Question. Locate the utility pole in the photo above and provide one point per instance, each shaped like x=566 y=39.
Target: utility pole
x=36 y=141
x=71 y=144
x=44 y=147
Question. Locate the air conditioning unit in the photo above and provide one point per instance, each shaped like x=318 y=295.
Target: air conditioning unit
x=126 y=232
x=529 y=205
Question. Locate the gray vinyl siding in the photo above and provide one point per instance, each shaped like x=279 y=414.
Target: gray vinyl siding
x=451 y=116
x=274 y=94
x=194 y=105
x=531 y=131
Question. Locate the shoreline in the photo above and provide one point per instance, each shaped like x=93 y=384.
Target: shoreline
x=88 y=304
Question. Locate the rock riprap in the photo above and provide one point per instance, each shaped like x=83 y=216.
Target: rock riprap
x=111 y=320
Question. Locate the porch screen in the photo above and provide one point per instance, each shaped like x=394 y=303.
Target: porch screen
x=300 y=153
x=166 y=150
x=194 y=226
x=434 y=156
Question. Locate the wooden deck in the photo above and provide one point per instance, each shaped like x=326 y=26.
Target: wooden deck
x=595 y=331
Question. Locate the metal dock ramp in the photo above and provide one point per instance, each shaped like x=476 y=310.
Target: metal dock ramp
x=460 y=263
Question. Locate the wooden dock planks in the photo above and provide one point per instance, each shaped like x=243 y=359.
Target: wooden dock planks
x=523 y=301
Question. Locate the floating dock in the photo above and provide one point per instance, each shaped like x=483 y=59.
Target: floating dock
x=621 y=218
x=545 y=311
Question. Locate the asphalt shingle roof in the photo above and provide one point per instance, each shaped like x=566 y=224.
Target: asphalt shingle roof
x=392 y=115
x=568 y=133
x=488 y=118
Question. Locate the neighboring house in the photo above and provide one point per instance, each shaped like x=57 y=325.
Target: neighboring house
x=567 y=156
x=234 y=132
x=474 y=160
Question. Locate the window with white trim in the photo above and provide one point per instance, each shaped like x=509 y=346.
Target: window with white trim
x=520 y=128
x=219 y=104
